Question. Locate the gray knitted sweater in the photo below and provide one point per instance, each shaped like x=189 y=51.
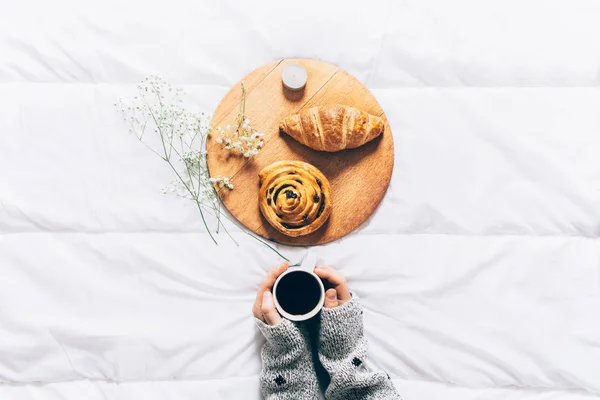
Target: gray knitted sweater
x=288 y=372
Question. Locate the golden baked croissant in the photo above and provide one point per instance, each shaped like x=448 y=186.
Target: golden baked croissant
x=333 y=128
x=294 y=197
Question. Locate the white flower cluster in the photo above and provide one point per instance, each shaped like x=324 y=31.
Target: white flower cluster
x=222 y=182
x=158 y=106
x=242 y=138
x=179 y=135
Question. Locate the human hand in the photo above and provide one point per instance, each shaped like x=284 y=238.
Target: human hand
x=340 y=293
x=264 y=306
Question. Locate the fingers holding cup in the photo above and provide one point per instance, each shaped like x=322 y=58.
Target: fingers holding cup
x=331 y=299
x=266 y=285
x=268 y=310
x=337 y=280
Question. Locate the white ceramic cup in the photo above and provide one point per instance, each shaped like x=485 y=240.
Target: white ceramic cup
x=314 y=311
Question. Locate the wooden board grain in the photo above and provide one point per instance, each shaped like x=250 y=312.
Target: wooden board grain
x=359 y=177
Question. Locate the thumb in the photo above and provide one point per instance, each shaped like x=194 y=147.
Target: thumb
x=331 y=300
x=268 y=309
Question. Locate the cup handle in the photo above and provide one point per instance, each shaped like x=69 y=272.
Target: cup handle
x=309 y=262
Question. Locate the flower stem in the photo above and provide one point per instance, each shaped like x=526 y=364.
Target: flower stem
x=242 y=107
x=195 y=200
x=255 y=236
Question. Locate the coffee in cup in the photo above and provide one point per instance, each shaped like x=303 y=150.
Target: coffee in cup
x=298 y=294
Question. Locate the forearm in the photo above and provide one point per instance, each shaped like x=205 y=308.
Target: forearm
x=288 y=372
x=343 y=352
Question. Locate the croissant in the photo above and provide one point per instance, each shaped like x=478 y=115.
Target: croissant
x=333 y=128
x=294 y=197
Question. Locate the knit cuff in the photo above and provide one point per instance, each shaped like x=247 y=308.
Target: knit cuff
x=350 y=309
x=284 y=336
x=341 y=328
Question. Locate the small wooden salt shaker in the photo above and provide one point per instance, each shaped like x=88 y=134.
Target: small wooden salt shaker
x=294 y=77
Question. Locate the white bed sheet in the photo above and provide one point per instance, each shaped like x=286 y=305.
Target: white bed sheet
x=479 y=272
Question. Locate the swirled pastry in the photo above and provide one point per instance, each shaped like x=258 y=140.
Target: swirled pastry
x=294 y=197
x=333 y=128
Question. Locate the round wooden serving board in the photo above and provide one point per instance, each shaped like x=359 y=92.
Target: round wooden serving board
x=358 y=177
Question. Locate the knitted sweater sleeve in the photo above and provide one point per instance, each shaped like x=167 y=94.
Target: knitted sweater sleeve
x=343 y=352
x=287 y=368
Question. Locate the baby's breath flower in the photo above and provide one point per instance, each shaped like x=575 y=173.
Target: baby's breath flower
x=178 y=136
x=222 y=182
x=241 y=137
x=159 y=121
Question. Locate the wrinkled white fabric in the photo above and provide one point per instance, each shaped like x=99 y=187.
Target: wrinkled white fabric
x=479 y=272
